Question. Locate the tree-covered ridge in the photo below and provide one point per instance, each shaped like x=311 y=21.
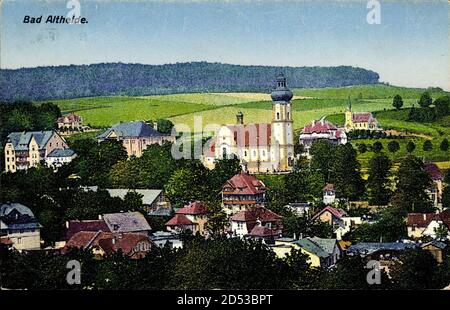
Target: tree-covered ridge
x=59 y=82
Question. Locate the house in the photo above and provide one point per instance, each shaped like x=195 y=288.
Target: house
x=321 y=130
x=421 y=225
x=75 y=226
x=329 y=194
x=241 y=192
x=264 y=147
x=386 y=253
x=256 y=222
x=19 y=227
x=329 y=215
x=338 y=219
x=360 y=120
x=161 y=238
x=302 y=209
x=436 y=248
x=71 y=122
x=321 y=252
x=126 y=222
x=27 y=149
x=191 y=217
x=60 y=157
x=135 y=136
x=133 y=245
x=436 y=188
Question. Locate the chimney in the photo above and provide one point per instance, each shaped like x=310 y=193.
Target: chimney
x=240 y=118
x=100 y=217
x=67 y=224
x=295 y=236
x=113 y=240
x=424 y=216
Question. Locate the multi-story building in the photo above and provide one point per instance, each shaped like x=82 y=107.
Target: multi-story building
x=191 y=217
x=241 y=192
x=70 y=121
x=260 y=147
x=24 y=150
x=321 y=130
x=135 y=136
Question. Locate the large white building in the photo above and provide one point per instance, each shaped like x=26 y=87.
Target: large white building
x=321 y=130
x=260 y=147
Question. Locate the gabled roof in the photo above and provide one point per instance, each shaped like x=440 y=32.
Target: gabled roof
x=137 y=129
x=148 y=195
x=7 y=208
x=334 y=211
x=244 y=184
x=311 y=246
x=15 y=216
x=319 y=126
x=76 y=226
x=193 y=208
x=61 y=153
x=420 y=219
x=433 y=171
x=21 y=140
x=69 y=118
x=255 y=213
x=263 y=231
x=179 y=220
x=362 y=117
x=251 y=134
x=126 y=222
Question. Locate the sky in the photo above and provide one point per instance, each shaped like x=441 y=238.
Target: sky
x=409 y=47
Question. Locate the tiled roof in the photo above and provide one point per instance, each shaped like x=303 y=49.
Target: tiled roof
x=362 y=117
x=420 y=219
x=256 y=213
x=61 y=153
x=319 y=126
x=126 y=222
x=244 y=184
x=179 y=220
x=132 y=129
x=20 y=140
x=162 y=211
x=193 y=208
x=251 y=134
x=312 y=247
x=433 y=171
x=69 y=118
x=334 y=211
x=263 y=231
x=76 y=226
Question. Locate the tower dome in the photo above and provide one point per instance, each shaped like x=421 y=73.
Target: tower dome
x=281 y=93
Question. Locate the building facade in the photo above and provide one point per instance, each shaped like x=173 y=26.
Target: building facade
x=191 y=217
x=321 y=130
x=359 y=120
x=260 y=147
x=70 y=121
x=135 y=136
x=24 y=150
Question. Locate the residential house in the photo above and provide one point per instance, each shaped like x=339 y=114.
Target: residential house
x=321 y=252
x=329 y=194
x=19 y=228
x=133 y=245
x=421 y=225
x=436 y=188
x=126 y=222
x=135 y=136
x=71 y=122
x=330 y=215
x=302 y=209
x=75 y=226
x=191 y=217
x=27 y=149
x=436 y=248
x=256 y=222
x=60 y=157
x=241 y=192
x=264 y=147
x=321 y=130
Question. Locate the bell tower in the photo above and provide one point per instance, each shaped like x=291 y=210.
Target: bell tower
x=282 y=123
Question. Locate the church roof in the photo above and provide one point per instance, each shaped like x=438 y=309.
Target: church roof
x=362 y=117
x=251 y=134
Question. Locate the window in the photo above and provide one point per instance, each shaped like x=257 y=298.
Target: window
x=287 y=115
x=19 y=240
x=245 y=153
x=278 y=115
x=224 y=153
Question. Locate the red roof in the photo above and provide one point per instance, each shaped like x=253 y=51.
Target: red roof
x=256 y=213
x=433 y=171
x=179 y=220
x=320 y=126
x=243 y=184
x=251 y=134
x=6 y=241
x=424 y=219
x=90 y=225
x=328 y=187
x=263 y=231
x=193 y=208
x=69 y=118
x=362 y=117
x=334 y=211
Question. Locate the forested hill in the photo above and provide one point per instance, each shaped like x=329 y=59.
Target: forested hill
x=73 y=81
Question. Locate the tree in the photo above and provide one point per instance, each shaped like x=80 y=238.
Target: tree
x=442 y=232
x=397 y=102
x=444 y=145
x=322 y=153
x=377 y=147
x=362 y=148
x=446 y=197
x=393 y=146
x=425 y=100
x=133 y=200
x=412 y=184
x=223 y=170
x=378 y=184
x=442 y=106
x=410 y=147
x=346 y=174
x=427 y=145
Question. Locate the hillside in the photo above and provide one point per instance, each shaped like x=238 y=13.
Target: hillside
x=76 y=81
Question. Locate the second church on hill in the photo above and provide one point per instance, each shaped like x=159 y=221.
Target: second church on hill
x=260 y=147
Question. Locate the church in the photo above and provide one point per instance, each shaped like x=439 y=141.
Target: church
x=361 y=120
x=261 y=148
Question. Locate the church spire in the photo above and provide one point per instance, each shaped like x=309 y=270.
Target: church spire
x=349 y=104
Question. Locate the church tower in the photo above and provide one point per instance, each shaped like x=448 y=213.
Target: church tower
x=349 y=116
x=282 y=131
